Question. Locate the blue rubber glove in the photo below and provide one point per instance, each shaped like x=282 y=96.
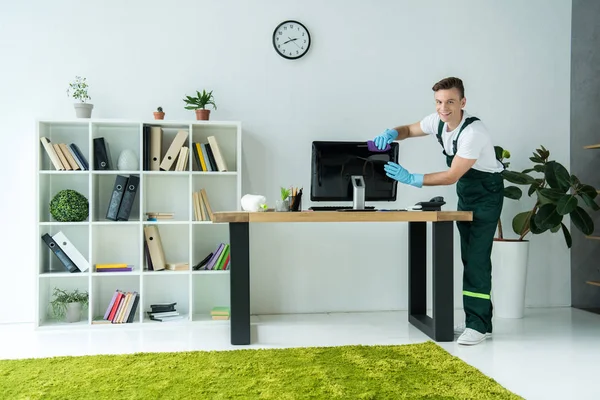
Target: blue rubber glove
x=385 y=138
x=397 y=172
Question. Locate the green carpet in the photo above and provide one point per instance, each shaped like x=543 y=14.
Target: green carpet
x=416 y=371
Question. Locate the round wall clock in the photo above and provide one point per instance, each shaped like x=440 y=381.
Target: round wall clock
x=291 y=40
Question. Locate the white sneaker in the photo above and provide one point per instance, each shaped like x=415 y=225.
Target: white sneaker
x=471 y=337
x=459 y=329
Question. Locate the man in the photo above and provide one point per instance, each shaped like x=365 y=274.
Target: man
x=474 y=168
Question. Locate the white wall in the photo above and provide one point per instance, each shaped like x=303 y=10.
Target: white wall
x=371 y=66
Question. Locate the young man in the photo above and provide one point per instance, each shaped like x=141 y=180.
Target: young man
x=474 y=168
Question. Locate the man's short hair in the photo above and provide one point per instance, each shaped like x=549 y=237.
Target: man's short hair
x=449 y=83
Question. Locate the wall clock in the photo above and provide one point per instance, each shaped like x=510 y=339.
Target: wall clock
x=291 y=40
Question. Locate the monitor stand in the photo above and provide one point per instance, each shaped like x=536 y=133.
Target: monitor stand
x=358 y=194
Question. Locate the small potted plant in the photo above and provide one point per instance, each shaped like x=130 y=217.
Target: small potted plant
x=69 y=304
x=159 y=114
x=79 y=91
x=199 y=104
x=284 y=203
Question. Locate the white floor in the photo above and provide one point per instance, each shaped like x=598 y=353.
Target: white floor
x=550 y=354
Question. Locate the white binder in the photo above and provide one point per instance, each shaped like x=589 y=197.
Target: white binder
x=71 y=251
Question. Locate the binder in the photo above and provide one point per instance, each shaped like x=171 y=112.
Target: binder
x=155 y=247
x=146 y=148
x=128 y=198
x=101 y=161
x=116 y=197
x=156 y=134
x=218 y=154
x=59 y=253
x=71 y=251
x=173 y=150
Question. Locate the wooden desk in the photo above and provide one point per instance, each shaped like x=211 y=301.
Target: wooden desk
x=440 y=327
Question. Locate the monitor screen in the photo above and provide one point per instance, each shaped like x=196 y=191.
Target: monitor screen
x=333 y=163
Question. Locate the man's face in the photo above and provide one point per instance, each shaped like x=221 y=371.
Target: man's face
x=448 y=104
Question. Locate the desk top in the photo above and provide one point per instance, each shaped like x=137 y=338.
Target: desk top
x=343 y=216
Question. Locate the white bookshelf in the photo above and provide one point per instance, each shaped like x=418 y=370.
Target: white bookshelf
x=105 y=241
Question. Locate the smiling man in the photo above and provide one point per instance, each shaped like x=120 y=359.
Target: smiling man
x=473 y=166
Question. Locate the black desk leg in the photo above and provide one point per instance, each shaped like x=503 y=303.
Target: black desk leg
x=239 y=237
x=440 y=328
x=443 y=281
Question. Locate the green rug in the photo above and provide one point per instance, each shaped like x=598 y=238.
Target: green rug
x=416 y=371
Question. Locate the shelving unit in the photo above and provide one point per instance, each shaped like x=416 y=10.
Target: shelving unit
x=105 y=241
x=593 y=237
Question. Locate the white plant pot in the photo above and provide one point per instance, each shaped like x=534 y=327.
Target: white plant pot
x=509 y=277
x=73 y=312
x=83 y=110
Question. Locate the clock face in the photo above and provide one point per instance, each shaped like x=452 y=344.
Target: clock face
x=291 y=39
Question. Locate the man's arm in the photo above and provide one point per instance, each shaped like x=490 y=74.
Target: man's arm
x=458 y=168
x=409 y=131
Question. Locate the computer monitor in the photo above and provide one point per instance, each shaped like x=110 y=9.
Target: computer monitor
x=336 y=169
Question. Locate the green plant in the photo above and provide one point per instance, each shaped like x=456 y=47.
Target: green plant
x=557 y=194
x=200 y=101
x=159 y=109
x=285 y=193
x=62 y=298
x=69 y=206
x=79 y=89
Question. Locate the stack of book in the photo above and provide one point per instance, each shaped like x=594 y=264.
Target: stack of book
x=121 y=309
x=63 y=157
x=220 y=313
x=164 y=312
x=202 y=208
x=113 y=267
x=155 y=215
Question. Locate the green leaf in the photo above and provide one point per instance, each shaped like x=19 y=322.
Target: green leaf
x=528 y=170
x=566 y=204
x=549 y=196
x=589 y=190
x=575 y=181
x=520 y=222
x=540 y=168
x=518 y=178
x=567 y=235
x=532 y=188
x=582 y=221
x=536 y=159
x=547 y=217
x=589 y=201
x=513 y=192
x=557 y=176
x=555 y=229
x=534 y=228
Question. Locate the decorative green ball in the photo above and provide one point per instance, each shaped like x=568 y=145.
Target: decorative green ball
x=69 y=206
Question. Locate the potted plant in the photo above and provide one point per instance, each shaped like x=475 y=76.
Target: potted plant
x=79 y=91
x=557 y=194
x=199 y=103
x=284 y=203
x=69 y=304
x=159 y=114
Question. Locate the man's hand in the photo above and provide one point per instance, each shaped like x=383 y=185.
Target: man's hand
x=385 y=138
x=399 y=173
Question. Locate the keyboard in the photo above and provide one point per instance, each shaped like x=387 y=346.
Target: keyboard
x=336 y=208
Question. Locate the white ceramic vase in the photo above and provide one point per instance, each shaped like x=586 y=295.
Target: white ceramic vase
x=127 y=161
x=73 y=312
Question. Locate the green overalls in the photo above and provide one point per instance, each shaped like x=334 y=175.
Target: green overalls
x=483 y=194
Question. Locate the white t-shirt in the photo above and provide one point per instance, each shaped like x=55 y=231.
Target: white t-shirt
x=474 y=142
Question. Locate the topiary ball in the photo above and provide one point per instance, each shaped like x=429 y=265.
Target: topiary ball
x=69 y=206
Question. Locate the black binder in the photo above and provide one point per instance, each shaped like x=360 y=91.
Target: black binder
x=101 y=160
x=59 y=253
x=116 y=197
x=128 y=198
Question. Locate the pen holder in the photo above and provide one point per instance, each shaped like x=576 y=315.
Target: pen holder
x=295 y=202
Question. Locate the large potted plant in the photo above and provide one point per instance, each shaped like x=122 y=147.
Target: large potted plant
x=79 y=91
x=557 y=194
x=199 y=103
x=69 y=304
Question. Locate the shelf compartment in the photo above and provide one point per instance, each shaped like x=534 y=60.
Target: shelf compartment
x=166 y=289
x=167 y=192
x=205 y=240
x=46 y=295
x=226 y=137
x=168 y=133
x=50 y=184
x=104 y=288
x=118 y=136
x=103 y=185
x=78 y=235
x=116 y=244
x=221 y=191
x=175 y=241
x=67 y=133
x=209 y=291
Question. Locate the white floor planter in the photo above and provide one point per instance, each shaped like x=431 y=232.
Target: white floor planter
x=509 y=277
